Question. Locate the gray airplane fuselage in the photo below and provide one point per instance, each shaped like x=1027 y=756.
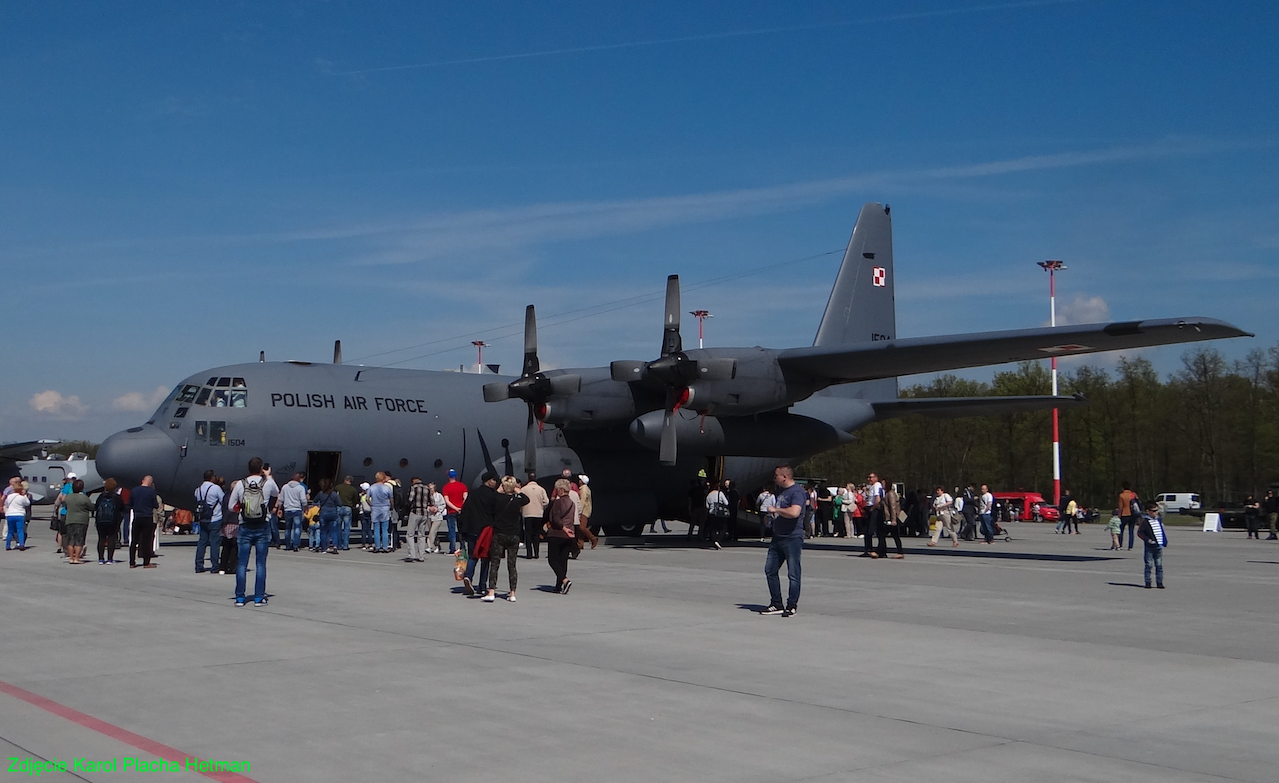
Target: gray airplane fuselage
x=352 y=420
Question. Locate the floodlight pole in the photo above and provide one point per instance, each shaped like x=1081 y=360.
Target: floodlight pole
x=1052 y=267
x=479 y=355
x=701 y=316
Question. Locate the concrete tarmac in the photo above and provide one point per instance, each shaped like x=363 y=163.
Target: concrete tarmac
x=1042 y=658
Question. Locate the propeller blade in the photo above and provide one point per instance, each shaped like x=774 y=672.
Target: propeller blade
x=496 y=392
x=666 y=453
x=507 y=462
x=716 y=369
x=626 y=371
x=488 y=460
x=530 y=444
x=671 y=342
x=531 y=365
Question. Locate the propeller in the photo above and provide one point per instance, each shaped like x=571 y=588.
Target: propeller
x=674 y=370
x=534 y=387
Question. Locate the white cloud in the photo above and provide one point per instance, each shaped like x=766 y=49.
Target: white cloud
x=53 y=403
x=1083 y=310
x=141 y=402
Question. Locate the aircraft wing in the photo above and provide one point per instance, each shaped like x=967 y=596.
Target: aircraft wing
x=958 y=407
x=892 y=358
x=12 y=452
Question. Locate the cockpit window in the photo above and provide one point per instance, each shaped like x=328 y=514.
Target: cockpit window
x=181 y=413
x=212 y=382
x=217 y=433
x=187 y=395
x=224 y=382
x=220 y=398
x=201 y=431
x=239 y=398
x=238 y=383
x=203 y=399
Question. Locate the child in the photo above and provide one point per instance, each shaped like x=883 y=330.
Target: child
x=1152 y=533
x=312 y=515
x=1115 y=527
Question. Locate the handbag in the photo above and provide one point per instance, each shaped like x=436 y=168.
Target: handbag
x=902 y=517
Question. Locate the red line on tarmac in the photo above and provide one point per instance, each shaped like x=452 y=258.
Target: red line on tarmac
x=138 y=741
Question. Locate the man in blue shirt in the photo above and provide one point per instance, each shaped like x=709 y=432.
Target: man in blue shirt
x=380 y=497
x=787 y=541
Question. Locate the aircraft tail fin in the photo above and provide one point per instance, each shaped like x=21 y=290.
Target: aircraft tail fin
x=862 y=306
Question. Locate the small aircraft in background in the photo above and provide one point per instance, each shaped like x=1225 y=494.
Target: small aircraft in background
x=640 y=428
x=45 y=475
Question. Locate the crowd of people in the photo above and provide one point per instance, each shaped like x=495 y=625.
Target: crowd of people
x=502 y=516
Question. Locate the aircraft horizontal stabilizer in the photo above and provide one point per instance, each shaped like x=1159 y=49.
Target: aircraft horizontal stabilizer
x=911 y=356
x=959 y=407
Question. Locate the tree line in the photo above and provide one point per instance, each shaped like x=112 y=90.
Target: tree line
x=1211 y=427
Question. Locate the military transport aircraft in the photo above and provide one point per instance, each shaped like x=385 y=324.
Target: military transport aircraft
x=640 y=429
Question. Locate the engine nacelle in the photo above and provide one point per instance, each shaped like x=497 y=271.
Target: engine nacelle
x=587 y=410
x=766 y=435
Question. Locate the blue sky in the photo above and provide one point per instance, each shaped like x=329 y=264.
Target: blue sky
x=183 y=185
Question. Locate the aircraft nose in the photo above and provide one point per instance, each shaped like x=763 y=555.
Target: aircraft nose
x=128 y=456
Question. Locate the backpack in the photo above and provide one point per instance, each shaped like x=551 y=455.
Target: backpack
x=253 y=506
x=106 y=510
x=205 y=509
x=719 y=505
x=400 y=499
x=1134 y=507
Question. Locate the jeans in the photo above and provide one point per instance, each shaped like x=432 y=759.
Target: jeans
x=313 y=535
x=381 y=528
x=451 y=521
x=273 y=527
x=17 y=531
x=1129 y=523
x=293 y=533
x=210 y=538
x=783 y=550
x=987 y=528
x=344 y=528
x=258 y=541
x=1155 y=559
x=471 y=561
x=329 y=529
x=366 y=528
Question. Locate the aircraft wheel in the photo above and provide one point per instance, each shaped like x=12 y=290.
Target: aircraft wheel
x=632 y=529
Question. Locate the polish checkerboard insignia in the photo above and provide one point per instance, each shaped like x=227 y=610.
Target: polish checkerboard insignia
x=879 y=276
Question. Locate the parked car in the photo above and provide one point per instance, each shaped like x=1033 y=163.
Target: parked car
x=1030 y=506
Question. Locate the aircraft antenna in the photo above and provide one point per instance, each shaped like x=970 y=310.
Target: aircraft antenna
x=337 y=351
x=261 y=357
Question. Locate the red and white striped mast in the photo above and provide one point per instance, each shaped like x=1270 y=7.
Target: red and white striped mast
x=701 y=316
x=1052 y=267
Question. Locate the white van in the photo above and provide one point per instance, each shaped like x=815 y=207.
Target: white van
x=1177 y=502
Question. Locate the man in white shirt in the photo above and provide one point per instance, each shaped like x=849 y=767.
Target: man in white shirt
x=874 y=512
x=944 y=509
x=985 y=511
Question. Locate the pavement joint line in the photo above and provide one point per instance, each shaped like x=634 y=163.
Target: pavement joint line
x=146 y=744
x=33 y=754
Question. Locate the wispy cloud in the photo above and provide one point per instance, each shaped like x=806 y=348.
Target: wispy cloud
x=1083 y=310
x=54 y=404
x=452 y=234
x=326 y=67
x=140 y=402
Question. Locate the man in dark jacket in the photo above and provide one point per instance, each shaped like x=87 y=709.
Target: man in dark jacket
x=143 y=502
x=477 y=514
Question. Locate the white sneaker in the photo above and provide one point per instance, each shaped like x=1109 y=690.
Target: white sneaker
x=488 y=598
